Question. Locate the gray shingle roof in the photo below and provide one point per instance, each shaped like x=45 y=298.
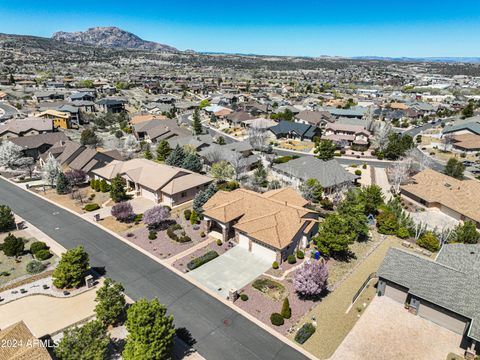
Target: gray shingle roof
x=285 y=127
x=328 y=173
x=472 y=124
x=436 y=282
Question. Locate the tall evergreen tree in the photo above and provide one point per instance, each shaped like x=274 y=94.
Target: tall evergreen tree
x=197 y=124
x=110 y=302
x=176 y=158
x=163 y=150
x=192 y=162
x=63 y=185
x=325 y=150
x=118 y=191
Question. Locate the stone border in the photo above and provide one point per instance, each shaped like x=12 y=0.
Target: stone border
x=179 y=273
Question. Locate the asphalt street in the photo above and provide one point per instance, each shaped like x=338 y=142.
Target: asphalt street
x=220 y=332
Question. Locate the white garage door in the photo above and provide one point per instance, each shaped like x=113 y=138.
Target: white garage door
x=263 y=252
x=442 y=317
x=147 y=194
x=396 y=293
x=243 y=241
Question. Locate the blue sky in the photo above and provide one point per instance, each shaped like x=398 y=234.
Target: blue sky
x=303 y=27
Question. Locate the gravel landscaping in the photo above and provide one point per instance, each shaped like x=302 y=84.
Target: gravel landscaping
x=262 y=306
x=163 y=247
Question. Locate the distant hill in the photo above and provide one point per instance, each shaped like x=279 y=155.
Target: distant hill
x=471 y=60
x=111 y=37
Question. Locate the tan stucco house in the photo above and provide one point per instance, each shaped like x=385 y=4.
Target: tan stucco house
x=160 y=183
x=272 y=225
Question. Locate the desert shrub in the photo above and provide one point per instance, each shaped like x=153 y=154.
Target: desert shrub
x=403 y=233
x=137 y=218
x=429 y=241
x=43 y=254
x=219 y=242
x=387 y=223
x=326 y=203
x=37 y=246
x=277 y=319
x=35 y=267
x=7 y=219
x=91 y=207
x=275 y=265
x=123 y=211
x=201 y=260
x=358 y=172
x=300 y=254
x=171 y=232
x=152 y=234
x=193 y=217
x=304 y=333
x=103 y=186
x=202 y=234
x=364 y=166
x=291 y=259
x=184 y=239
x=286 y=310
x=13 y=246
x=244 y=297
x=187 y=213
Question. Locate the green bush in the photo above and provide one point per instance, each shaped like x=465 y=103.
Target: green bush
x=275 y=265
x=172 y=235
x=91 y=207
x=152 y=235
x=194 y=218
x=387 y=223
x=13 y=246
x=244 y=297
x=138 y=218
x=286 y=310
x=219 y=242
x=364 y=166
x=300 y=254
x=103 y=186
x=43 y=254
x=429 y=241
x=291 y=259
x=202 y=234
x=358 y=172
x=199 y=261
x=92 y=183
x=277 y=319
x=304 y=333
x=184 y=239
x=187 y=213
x=35 y=267
x=37 y=246
x=403 y=233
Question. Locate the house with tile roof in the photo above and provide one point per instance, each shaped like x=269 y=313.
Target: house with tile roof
x=23 y=344
x=347 y=135
x=272 y=225
x=24 y=127
x=444 y=291
x=163 y=184
x=456 y=198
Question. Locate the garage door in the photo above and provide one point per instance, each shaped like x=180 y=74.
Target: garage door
x=263 y=252
x=147 y=194
x=443 y=317
x=396 y=293
x=243 y=241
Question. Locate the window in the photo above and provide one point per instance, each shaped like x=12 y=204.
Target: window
x=183 y=194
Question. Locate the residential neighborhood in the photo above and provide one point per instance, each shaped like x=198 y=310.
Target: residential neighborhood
x=158 y=203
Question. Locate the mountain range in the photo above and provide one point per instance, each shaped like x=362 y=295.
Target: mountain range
x=111 y=37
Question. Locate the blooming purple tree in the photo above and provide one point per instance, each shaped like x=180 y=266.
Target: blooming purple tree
x=311 y=279
x=123 y=211
x=75 y=176
x=155 y=216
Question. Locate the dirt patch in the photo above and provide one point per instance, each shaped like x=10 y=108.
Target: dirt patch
x=88 y=196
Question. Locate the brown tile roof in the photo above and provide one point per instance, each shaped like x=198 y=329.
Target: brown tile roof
x=22 y=336
x=154 y=176
x=467 y=141
x=147 y=117
x=273 y=218
x=462 y=196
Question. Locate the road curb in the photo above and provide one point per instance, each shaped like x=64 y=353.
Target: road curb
x=271 y=331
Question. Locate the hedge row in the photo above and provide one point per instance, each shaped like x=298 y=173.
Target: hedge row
x=197 y=262
x=304 y=333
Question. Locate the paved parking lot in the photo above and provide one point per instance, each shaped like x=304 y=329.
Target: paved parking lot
x=234 y=269
x=387 y=331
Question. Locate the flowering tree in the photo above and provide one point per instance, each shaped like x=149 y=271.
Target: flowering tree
x=50 y=170
x=155 y=216
x=122 y=211
x=75 y=177
x=11 y=156
x=311 y=279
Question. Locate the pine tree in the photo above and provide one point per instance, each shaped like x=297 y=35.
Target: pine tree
x=110 y=302
x=197 y=124
x=71 y=269
x=163 y=150
x=63 y=186
x=176 y=158
x=192 y=162
x=118 y=192
x=260 y=176
x=148 y=153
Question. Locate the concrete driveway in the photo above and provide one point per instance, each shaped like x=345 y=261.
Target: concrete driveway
x=231 y=270
x=386 y=330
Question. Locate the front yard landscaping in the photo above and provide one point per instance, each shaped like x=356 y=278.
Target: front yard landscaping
x=31 y=262
x=213 y=247
x=304 y=146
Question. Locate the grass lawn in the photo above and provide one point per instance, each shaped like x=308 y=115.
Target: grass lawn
x=74 y=204
x=333 y=323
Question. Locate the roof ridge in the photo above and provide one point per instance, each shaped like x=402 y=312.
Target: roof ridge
x=258 y=217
